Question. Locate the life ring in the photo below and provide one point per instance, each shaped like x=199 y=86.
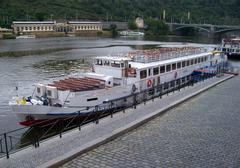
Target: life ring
x=149 y=83
x=132 y=71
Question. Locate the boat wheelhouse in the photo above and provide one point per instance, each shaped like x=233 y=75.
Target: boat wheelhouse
x=113 y=77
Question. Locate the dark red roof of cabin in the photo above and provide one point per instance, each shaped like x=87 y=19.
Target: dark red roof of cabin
x=79 y=84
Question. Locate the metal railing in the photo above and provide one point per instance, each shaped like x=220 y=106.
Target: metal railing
x=13 y=141
x=168 y=55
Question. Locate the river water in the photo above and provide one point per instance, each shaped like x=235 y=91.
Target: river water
x=25 y=71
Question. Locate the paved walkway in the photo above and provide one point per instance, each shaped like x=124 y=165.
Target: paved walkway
x=203 y=132
x=56 y=150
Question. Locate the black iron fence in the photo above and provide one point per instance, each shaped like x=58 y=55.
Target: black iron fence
x=16 y=140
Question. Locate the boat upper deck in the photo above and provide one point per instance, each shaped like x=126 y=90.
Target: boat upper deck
x=140 y=65
x=154 y=55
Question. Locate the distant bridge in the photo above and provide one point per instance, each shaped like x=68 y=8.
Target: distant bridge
x=212 y=29
x=209 y=28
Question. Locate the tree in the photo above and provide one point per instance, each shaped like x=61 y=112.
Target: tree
x=156 y=27
x=40 y=16
x=132 y=25
x=113 y=29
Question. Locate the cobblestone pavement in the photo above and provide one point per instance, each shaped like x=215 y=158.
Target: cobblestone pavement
x=203 y=132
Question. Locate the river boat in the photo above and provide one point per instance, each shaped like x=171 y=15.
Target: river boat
x=29 y=36
x=231 y=47
x=131 y=33
x=112 y=78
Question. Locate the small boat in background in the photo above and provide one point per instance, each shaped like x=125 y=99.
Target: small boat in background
x=131 y=33
x=231 y=47
x=29 y=36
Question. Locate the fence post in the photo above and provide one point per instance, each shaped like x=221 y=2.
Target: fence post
x=79 y=122
x=6 y=145
x=60 y=131
x=125 y=100
x=96 y=110
x=145 y=97
x=36 y=142
x=160 y=91
x=134 y=101
x=174 y=81
x=111 y=109
x=179 y=84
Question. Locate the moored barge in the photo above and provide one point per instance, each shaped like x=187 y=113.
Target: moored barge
x=113 y=77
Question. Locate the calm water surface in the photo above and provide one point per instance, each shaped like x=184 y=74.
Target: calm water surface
x=26 y=71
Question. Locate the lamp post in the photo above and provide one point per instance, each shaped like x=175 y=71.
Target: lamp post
x=164 y=14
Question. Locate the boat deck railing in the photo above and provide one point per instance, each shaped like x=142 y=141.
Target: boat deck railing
x=158 y=55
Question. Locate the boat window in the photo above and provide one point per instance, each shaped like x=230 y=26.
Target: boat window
x=162 y=69
x=192 y=61
x=149 y=72
x=122 y=65
x=166 y=86
x=38 y=90
x=49 y=93
x=156 y=71
x=98 y=62
x=143 y=74
x=92 y=99
x=115 y=64
x=195 y=61
x=183 y=64
x=179 y=65
x=202 y=59
x=168 y=68
x=183 y=79
x=107 y=63
x=205 y=58
x=199 y=60
x=188 y=62
x=172 y=84
x=178 y=82
x=224 y=49
x=173 y=66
